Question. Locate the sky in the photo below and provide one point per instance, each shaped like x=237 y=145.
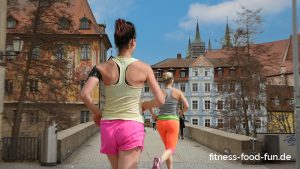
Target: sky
x=164 y=26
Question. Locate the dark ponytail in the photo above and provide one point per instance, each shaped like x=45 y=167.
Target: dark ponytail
x=124 y=32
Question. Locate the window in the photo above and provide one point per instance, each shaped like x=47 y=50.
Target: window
x=232 y=72
x=182 y=74
x=207 y=123
x=220 y=123
x=220 y=104
x=244 y=124
x=220 y=87
x=11 y=22
x=207 y=104
x=59 y=54
x=232 y=104
x=10 y=51
x=44 y=2
x=158 y=74
x=63 y=23
x=195 y=87
x=257 y=105
x=232 y=87
x=84 y=23
x=82 y=82
x=207 y=87
x=220 y=72
x=33 y=85
x=195 y=121
x=206 y=72
x=36 y=53
x=182 y=87
x=258 y=124
x=195 y=104
x=195 y=72
x=85 y=52
x=84 y=116
x=290 y=102
x=33 y=117
x=146 y=89
x=246 y=105
x=8 y=87
x=275 y=101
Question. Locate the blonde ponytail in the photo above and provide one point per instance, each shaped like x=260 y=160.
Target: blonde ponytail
x=167 y=78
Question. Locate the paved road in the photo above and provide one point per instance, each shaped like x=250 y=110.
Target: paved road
x=188 y=155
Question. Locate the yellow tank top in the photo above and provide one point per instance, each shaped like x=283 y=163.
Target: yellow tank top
x=122 y=100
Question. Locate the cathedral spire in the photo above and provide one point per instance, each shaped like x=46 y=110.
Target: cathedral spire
x=227 y=39
x=188 y=52
x=197 y=36
x=209 y=45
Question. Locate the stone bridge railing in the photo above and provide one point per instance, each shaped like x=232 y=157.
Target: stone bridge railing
x=223 y=142
x=71 y=139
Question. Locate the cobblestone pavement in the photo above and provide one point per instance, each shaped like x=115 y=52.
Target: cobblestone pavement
x=188 y=155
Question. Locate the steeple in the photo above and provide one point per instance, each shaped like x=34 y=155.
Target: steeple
x=188 y=52
x=197 y=36
x=227 y=39
x=209 y=45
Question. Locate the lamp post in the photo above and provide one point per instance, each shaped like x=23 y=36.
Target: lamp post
x=296 y=83
x=17 y=48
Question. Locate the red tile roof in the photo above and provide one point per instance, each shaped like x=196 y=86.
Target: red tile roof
x=172 y=63
x=272 y=55
x=77 y=10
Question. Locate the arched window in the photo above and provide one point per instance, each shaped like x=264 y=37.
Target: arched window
x=11 y=22
x=84 y=23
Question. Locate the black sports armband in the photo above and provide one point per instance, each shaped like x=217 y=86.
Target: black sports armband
x=96 y=73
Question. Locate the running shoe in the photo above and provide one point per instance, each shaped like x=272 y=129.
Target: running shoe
x=156 y=163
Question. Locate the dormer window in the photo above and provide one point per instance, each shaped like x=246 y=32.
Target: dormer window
x=84 y=23
x=232 y=72
x=11 y=23
x=64 y=23
x=44 y=2
x=220 y=72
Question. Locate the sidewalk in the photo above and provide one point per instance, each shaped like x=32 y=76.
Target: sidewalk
x=188 y=155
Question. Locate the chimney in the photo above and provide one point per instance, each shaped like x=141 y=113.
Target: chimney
x=178 y=55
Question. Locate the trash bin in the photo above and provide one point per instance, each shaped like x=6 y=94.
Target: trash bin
x=49 y=146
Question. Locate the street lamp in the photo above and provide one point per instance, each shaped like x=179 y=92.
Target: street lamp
x=17 y=45
x=17 y=48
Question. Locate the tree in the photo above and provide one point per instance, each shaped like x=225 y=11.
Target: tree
x=243 y=88
x=43 y=71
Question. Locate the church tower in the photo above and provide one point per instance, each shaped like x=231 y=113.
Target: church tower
x=197 y=46
x=227 y=39
x=188 y=51
x=209 y=45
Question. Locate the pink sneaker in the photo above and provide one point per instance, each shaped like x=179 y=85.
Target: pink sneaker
x=156 y=163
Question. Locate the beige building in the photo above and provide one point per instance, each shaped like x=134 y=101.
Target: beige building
x=78 y=42
x=3 y=7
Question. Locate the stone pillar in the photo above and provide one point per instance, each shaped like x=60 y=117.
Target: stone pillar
x=3 y=10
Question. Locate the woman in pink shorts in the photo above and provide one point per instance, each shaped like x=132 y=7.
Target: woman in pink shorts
x=121 y=125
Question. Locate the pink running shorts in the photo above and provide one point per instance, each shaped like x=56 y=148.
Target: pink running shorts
x=121 y=135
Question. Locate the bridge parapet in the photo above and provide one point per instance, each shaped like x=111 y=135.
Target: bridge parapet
x=224 y=142
x=71 y=139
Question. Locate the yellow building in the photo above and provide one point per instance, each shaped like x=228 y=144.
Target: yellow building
x=59 y=51
x=280 y=109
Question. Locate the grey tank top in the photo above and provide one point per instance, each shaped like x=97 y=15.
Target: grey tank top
x=170 y=106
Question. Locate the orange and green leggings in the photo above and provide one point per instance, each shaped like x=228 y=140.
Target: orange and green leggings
x=168 y=131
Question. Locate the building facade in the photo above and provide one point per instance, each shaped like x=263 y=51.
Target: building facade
x=3 y=8
x=75 y=45
x=214 y=95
